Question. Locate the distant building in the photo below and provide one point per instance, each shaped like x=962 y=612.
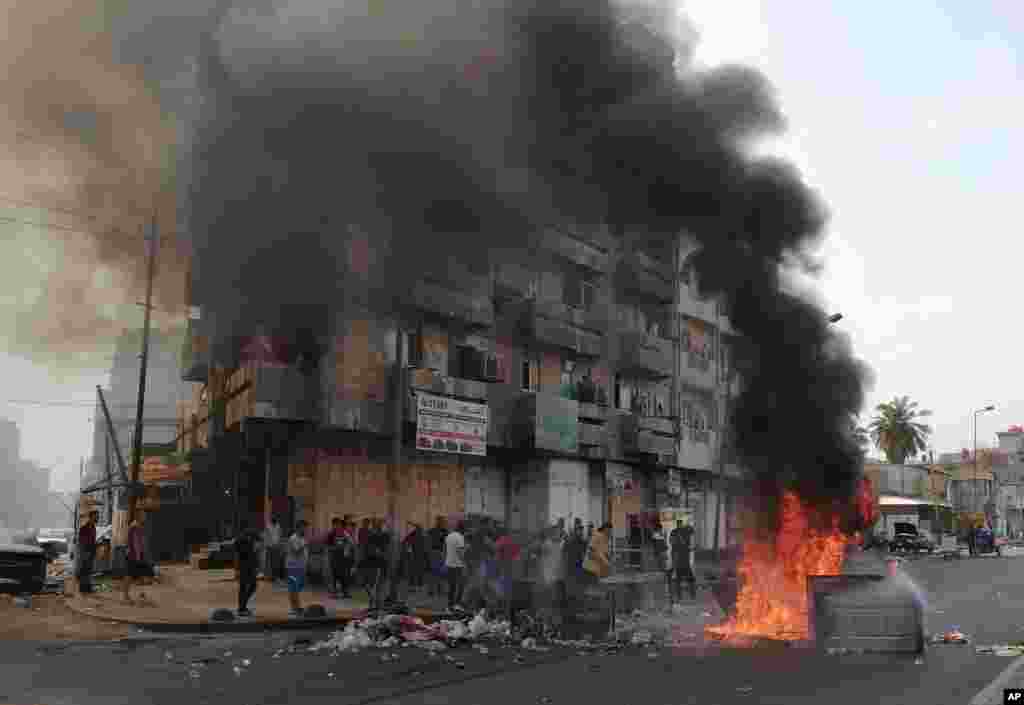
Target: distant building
x=917 y=494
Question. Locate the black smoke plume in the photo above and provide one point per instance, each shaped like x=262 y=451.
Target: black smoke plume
x=451 y=130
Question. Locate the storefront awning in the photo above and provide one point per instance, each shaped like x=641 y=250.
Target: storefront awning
x=892 y=501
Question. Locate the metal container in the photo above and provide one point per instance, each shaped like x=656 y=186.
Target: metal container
x=864 y=612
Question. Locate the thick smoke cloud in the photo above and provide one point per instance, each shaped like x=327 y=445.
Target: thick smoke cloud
x=87 y=146
x=450 y=130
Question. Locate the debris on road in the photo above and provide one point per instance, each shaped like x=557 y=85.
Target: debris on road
x=1015 y=649
x=952 y=636
x=391 y=631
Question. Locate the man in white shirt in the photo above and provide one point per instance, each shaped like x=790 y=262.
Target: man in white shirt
x=455 y=563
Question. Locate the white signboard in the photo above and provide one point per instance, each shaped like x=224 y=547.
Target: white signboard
x=451 y=426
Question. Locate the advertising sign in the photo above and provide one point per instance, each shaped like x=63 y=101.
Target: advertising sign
x=451 y=426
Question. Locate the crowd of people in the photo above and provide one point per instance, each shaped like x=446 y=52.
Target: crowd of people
x=474 y=564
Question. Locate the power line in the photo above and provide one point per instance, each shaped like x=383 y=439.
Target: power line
x=80 y=231
x=74 y=403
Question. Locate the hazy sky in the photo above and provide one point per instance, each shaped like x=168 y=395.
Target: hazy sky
x=906 y=117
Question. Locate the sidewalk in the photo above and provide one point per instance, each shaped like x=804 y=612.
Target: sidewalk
x=184 y=598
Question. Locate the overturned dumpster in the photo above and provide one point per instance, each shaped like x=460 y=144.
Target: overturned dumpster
x=868 y=608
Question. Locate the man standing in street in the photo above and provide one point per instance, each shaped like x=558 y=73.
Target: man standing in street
x=246 y=548
x=455 y=563
x=87 y=553
x=680 y=541
x=435 y=541
x=298 y=559
x=272 y=549
x=378 y=546
x=342 y=552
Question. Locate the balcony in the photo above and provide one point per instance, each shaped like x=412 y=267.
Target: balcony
x=644 y=435
x=645 y=278
x=544 y=422
x=576 y=250
x=195 y=353
x=535 y=321
x=468 y=301
x=433 y=382
x=365 y=415
x=698 y=372
x=645 y=356
x=281 y=393
x=594 y=319
x=696 y=450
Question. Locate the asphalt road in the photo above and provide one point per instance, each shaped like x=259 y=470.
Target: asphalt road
x=983 y=596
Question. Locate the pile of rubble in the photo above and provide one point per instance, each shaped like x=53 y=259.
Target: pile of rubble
x=536 y=631
x=395 y=630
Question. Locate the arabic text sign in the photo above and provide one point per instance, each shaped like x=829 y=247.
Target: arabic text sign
x=451 y=426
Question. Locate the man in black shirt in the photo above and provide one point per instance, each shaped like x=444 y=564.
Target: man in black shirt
x=435 y=542
x=680 y=541
x=248 y=569
x=378 y=547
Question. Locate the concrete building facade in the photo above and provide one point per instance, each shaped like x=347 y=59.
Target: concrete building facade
x=581 y=377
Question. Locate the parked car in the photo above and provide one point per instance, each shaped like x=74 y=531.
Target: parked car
x=22 y=566
x=907 y=539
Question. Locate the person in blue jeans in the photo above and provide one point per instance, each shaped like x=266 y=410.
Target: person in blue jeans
x=297 y=560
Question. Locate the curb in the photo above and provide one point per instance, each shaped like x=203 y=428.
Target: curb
x=992 y=693
x=208 y=627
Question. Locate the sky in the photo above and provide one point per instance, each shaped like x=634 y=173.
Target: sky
x=903 y=115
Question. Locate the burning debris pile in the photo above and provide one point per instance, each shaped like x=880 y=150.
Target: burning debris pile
x=773 y=597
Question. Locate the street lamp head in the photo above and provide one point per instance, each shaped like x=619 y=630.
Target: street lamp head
x=835 y=318
x=990 y=407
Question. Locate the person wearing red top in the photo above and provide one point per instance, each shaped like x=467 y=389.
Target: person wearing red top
x=87 y=552
x=507 y=551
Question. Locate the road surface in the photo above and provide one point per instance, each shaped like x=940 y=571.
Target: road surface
x=983 y=596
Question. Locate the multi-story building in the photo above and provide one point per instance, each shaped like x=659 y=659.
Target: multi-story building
x=579 y=377
x=980 y=484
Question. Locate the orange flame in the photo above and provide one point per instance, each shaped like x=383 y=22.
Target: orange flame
x=772 y=602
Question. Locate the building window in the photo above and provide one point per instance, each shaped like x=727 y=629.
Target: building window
x=578 y=291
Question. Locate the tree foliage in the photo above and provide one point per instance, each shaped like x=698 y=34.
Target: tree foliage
x=897 y=431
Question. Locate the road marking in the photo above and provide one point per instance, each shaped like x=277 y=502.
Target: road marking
x=993 y=692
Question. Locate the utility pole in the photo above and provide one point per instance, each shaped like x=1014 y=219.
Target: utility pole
x=677 y=357
x=395 y=469
x=151 y=247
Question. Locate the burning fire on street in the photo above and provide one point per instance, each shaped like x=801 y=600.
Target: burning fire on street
x=773 y=596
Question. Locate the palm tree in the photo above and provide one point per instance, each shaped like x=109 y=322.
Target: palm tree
x=896 y=430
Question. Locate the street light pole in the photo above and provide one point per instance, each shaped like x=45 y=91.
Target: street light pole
x=974 y=478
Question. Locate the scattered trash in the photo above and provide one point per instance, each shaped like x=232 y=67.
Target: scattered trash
x=745 y=690
x=642 y=637
x=1014 y=649
x=652 y=655
x=919 y=661
x=330 y=675
x=168 y=656
x=246 y=662
x=238 y=671
x=952 y=636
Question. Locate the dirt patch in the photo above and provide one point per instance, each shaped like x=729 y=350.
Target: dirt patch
x=49 y=619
